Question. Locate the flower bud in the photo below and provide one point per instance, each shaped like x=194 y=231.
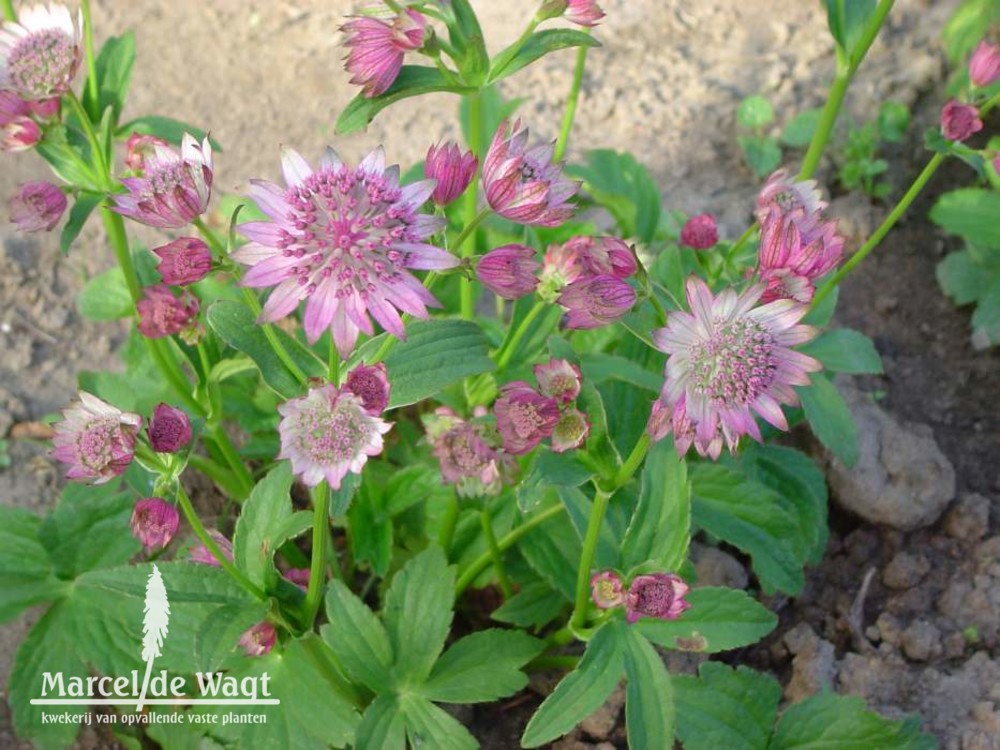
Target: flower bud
x=959 y=121
x=984 y=66
x=524 y=417
x=700 y=232
x=154 y=523
x=183 y=261
x=660 y=595
x=558 y=379
x=46 y=109
x=169 y=429
x=20 y=134
x=162 y=314
x=570 y=431
x=452 y=170
x=370 y=383
x=606 y=590
x=583 y=13
x=37 y=206
x=258 y=640
x=600 y=256
x=140 y=147
x=509 y=271
x=596 y=301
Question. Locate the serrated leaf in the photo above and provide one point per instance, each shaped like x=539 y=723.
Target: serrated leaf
x=383 y=726
x=549 y=470
x=25 y=568
x=970 y=213
x=535 y=605
x=963 y=279
x=429 y=726
x=755 y=112
x=719 y=619
x=357 y=638
x=798 y=132
x=649 y=695
x=484 y=666
x=763 y=154
x=521 y=54
x=845 y=350
x=105 y=297
x=830 y=418
x=371 y=529
x=553 y=550
x=625 y=187
x=599 y=367
x=258 y=529
x=847 y=20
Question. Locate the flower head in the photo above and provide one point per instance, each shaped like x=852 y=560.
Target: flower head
x=570 y=431
x=96 y=440
x=163 y=314
x=452 y=170
x=169 y=429
x=468 y=454
x=523 y=184
x=524 y=417
x=183 y=261
x=258 y=640
x=39 y=55
x=558 y=379
x=328 y=433
x=371 y=384
x=583 y=12
x=959 y=121
x=377 y=48
x=729 y=360
x=660 y=595
x=174 y=188
x=595 y=301
x=793 y=256
x=984 y=66
x=795 y=200
x=154 y=522
x=700 y=232
x=138 y=148
x=509 y=271
x=203 y=556
x=606 y=590
x=343 y=240
x=37 y=206
x=599 y=256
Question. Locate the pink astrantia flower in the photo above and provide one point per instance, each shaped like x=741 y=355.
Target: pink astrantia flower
x=509 y=271
x=200 y=553
x=523 y=184
x=183 y=261
x=793 y=256
x=558 y=379
x=154 y=522
x=138 y=148
x=700 y=232
x=570 y=431
x=959 y=121
x=729 y=360
x=468 y=454
x=169 y=429
x=258 y=640
x=371 y=384
x=96 y=440
x=40 y=54
x=524 y=417
x=599 y=256
x=583 y=12
x=984 y=65
x=37 y=207
x=328 y=433
x=343 y=240
x=595 y=301
x=19 y=134
x=298 y=576
x=173 y=190
x=796 y=200
x=163 y=314
x=451 y=169
x=377 y=48
x=660 y=595
x=606 y=590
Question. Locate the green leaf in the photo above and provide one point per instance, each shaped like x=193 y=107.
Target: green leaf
x=845 y=350
x=724 y=707
x=418 y=613
x=549 y=470
x=649 y=695
x=798 y=133
x=847 y=20
x=519 y=55
x=971 y=213
x=821 y=314
x=535 y=605
x=428 y=726
x=114 y=75
x=660 y=528
x=719 y=619
x=625 y=187
x=167 y=128
x=484 y=666
x=25 y=567
x=763 y=154
x=599 y=368
x=340 y=500
x=963 y=279
x=105 y=297
x=840 y=721
x=235 y=324
x=413 y=80
x=358 y=638
x=830 y=418
x=371 y=529
x=553 y=550
x=260 y=525
x=83 y=206
x=383 y=726
x=755 y=112
x=752 y=517
x=65 y=160
x=217 y=639
x=581 y=692
x=986 y=318
x=893 y=121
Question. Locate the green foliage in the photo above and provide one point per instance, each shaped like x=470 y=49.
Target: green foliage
x=847 y=20
x=619 y=183
x=114 y=76
x=845 y=350
x=167 y=128
x=798 y=131
x=859 y=164
x=105 y=297
x=830 y=418
x=762 y=152
x=522 y=54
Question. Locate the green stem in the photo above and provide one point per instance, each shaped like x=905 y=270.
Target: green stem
x=882 y=231
x=317 y=569
x=162 y=354
x=495 y=553
x=97 y=156
x=272 y=338
x=738 y=245
x=557 y=661
x=633 y=461
x=203 y=536
x=88 y=37
x=448 y=523
x=333 y=363
x=509 y=346
x=229 y=452
x=478 y=565
x=218 y=474
x=470 y=228
x=114 y=225
x=571 y=102
x=472 y=219
x=597 y=511
x=8 y=10
x=218 y=249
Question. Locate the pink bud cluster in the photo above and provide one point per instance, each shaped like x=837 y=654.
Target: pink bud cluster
x=656 y=595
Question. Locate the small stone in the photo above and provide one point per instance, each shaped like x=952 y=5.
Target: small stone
x=601 y=723
x=905 y=570
x=922 y=641
x=713 y=567
x=801 y=637
x=813 y=670
x=954 y=645
x=969 y=520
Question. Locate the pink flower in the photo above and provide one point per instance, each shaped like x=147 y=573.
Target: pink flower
x=183 y=261
x=700 y=232
x=959 y=121
x=522 y=184
x=46 y=109
x=20 y=134
x=169 y=429
x=524 y=417
x=660 y=595
x=793 y=256
x=606 y=590
x=509 y=271
x=984 y=66
x=377 y=48
x=370 y=383
x=298 y=576
x=596 y=301
x=200 y=553
x=343 y=240
x=583 y=12
x=154 y=522
x=558 y=379
x=601 y=256
x=258 y=640
x=174 y=188
x=796 y=200
x=452 y=170
x=468 y=454
x=37 y=206
x=658 y=425
x=138 y=148
x=39 y=55
x=96 y=440
x=729 y=360
x=328 y=433
x=162 y=314
x=570 y=431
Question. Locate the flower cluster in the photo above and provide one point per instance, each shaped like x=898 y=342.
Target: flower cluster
x=526 y=416
x=587 y=277
x=469 y=453
x=657 y=595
